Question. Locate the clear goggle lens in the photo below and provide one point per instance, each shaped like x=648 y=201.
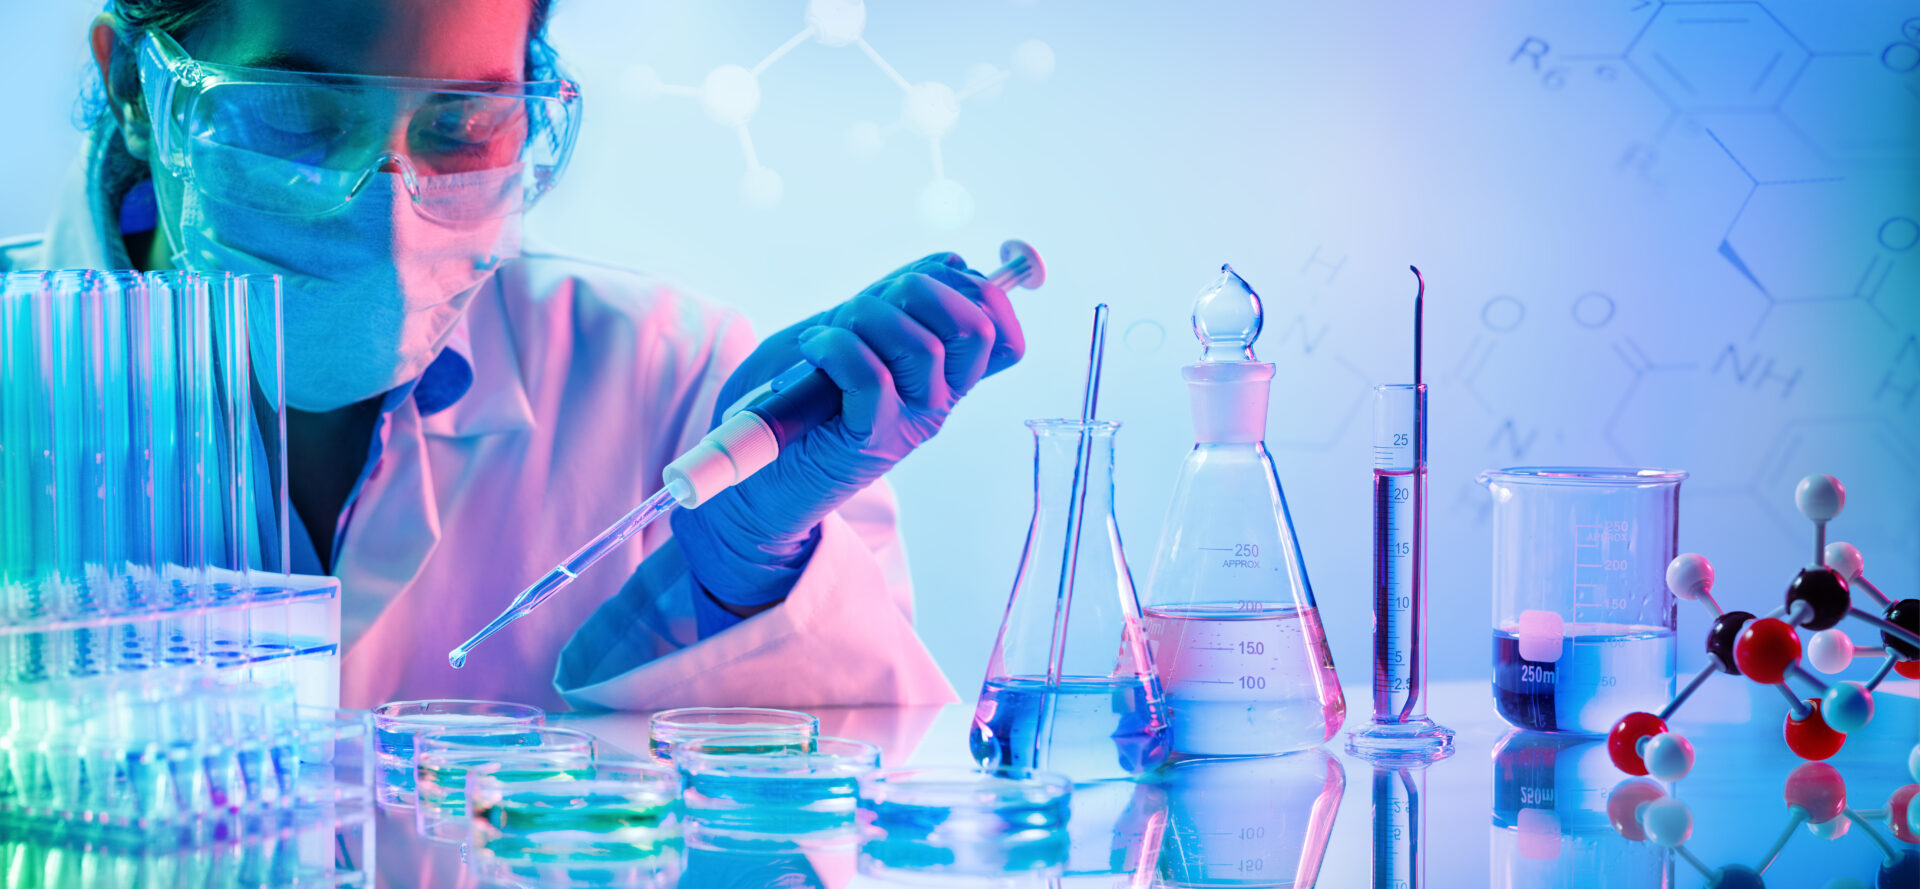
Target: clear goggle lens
x=288 y=143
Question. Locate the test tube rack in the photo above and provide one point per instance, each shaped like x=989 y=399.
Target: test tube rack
x=163 y=677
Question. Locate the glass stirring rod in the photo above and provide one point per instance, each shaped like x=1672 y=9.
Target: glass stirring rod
x=750 y=435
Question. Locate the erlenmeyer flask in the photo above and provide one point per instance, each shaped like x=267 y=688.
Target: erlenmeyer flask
x=1070 y=686
x=1236 y=637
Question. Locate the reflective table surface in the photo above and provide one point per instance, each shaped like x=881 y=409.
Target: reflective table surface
x=1507 y=809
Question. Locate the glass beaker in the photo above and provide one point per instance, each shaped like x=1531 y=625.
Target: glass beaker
x=1582 y=618
x=1070 y=686
x=1236 y=635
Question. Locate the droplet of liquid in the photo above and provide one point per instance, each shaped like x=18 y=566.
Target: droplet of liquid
x=457 y=659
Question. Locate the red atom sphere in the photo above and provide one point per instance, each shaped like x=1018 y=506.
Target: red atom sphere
x=1819 y=789
x=1623 y=805
x=1897 y=813
x=1765 y=649
x=1623 y=741
x=1811 y=738
x=1909 y=669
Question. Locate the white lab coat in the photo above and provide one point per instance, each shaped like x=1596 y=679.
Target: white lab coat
x=588 y=380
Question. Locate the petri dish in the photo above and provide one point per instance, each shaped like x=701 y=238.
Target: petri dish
x=670 y=727
x=751 y=788
x=442 y=757
x=947 y=806
x=396 y=723
x=562 y=819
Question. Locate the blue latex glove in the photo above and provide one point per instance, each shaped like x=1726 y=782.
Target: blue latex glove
x=903 y=352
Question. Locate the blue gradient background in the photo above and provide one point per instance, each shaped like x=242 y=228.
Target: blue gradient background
x=1700 y=254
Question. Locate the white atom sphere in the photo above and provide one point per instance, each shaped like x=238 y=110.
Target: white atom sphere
x=761 y=188
x=984 y=80
x=865 y=140
x=1820 y=497
x=730 y=95
x=641 y=80
x=837 y=22
x=1667 y=821
x=945 y=205
x=1847 y=707
x=1669 y=757
x=930 y=109
x=1846 y=559
x=1689 y=575
x=1830 y=650
x=1830 y=829
x=1913 y=763
x=1033 y=60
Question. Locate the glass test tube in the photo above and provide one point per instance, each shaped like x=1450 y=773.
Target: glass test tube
x=1400 y=731
x=19 y=565
x=266 y=359
x=1399 y=553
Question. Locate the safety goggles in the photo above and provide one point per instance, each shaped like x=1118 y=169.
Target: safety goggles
x=301 y=144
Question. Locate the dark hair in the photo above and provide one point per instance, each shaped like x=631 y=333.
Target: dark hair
x=177 y=17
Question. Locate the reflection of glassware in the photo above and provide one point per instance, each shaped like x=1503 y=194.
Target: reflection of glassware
x=1398 y=820
x=1582 y=617
x=1236 y=637
x=956 y=827
x=1550 y=826
x=1250 y=822
x=1117 y=828
x=1070 y=687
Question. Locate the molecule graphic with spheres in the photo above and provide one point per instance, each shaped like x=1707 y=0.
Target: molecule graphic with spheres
x=730 y=95
x=1767 y=650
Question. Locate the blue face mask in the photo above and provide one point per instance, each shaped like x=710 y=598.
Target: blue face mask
x=372 y=291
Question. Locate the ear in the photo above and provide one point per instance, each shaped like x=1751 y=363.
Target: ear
x=120 y=80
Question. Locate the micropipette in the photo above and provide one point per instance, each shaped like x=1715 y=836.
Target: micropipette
x=1400 y=728
x=751 y=434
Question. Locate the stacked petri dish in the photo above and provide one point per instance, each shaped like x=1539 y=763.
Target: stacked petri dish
x=568 y=819
x=748 y=789
x=396 y=724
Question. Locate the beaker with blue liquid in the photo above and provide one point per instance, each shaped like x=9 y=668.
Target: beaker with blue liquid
x=1582 y=618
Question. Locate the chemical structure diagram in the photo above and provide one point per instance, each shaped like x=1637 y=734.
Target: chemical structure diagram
x=1787 y=117
x=1800 y=119
x=730 y=94
x=1767 y=650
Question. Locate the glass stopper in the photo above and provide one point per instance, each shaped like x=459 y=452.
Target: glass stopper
x=1226 y=318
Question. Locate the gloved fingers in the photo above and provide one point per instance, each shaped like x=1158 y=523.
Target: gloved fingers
x=961 y=324
x=927 y=263
x=914 y=355
x=1009 y=342
x=867 y=398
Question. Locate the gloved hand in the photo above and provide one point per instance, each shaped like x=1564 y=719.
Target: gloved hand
x=903 y=352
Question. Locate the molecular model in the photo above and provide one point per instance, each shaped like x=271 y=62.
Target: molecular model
x=730 y=95
x=1767 y=650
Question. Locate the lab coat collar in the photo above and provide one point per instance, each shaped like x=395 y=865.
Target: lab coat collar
x=496 y=399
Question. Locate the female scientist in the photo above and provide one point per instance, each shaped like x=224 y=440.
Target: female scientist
x=464 y=412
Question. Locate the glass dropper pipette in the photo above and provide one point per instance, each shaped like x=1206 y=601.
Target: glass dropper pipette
x=749 y=437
